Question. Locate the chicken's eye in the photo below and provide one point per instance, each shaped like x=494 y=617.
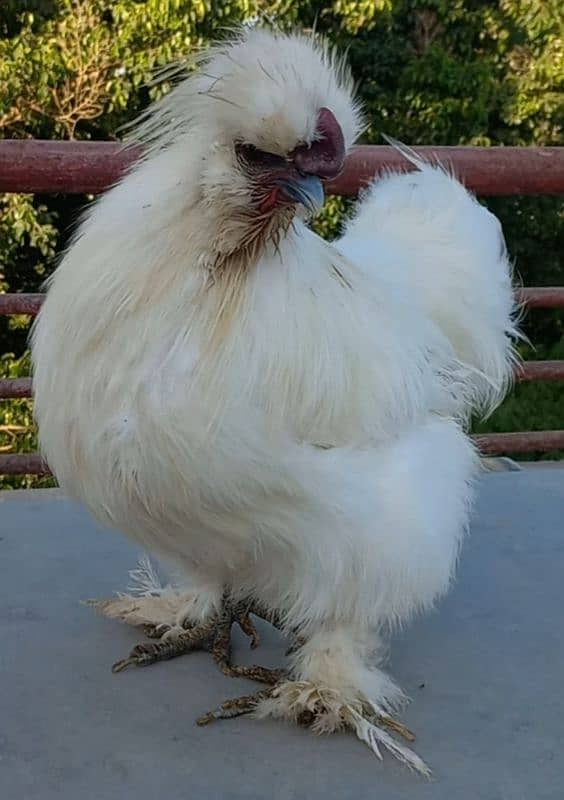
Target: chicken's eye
x=251 y=158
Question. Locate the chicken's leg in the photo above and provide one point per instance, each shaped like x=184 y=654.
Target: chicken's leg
x=213 y=635
x=322 y=710
x=307 y=699
x=319 y=692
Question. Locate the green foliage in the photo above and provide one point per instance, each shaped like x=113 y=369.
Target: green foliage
x=429 y=71
x=17 y=428
x=531 y=406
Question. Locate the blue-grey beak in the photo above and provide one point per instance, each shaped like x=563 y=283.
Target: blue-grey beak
x=304 y=189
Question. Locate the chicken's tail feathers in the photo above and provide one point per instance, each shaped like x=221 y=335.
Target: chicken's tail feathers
x=451 y=253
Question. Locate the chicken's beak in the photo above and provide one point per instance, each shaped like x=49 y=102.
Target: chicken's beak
x=304 y=189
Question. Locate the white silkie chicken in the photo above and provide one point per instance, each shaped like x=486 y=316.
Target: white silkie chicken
x=279 y=417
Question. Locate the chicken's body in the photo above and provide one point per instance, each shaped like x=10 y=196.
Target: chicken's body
x=285 y=429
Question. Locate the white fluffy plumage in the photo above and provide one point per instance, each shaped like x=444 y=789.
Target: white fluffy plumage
x=267 y=411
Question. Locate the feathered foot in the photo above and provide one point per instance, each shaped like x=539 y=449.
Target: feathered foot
x=325 y=710
x=166 y=614
x=184 y=622
x=160 y=610
x=307 y=703
x=213 y=636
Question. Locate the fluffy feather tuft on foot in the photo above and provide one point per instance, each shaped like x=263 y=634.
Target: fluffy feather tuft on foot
x=326 y=710
x=167 y=608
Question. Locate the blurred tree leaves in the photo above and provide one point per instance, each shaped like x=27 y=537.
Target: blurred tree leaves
x=429 y=71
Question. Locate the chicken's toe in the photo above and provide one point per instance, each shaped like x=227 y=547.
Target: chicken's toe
x=213 y=635
x=198 y=637
x=235 y=707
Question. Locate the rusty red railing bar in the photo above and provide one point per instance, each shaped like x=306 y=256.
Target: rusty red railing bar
x=20 y=303
x=540 y=371
x=519 y=442
x=541 y=296
x=42 y=167
x=13 y=388
x=489 y=444
x=23 y=464
x=533 y=297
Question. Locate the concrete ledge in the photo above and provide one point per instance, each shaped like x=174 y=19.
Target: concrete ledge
x=484 y=671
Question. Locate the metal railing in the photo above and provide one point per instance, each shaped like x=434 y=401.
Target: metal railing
x=90 y=167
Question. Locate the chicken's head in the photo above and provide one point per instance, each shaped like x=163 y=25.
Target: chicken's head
x=265 y=120
x=282 y=117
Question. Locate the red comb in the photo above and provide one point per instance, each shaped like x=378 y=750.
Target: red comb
x=325 y=157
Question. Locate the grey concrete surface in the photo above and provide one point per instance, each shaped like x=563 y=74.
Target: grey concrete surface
x=484 y=671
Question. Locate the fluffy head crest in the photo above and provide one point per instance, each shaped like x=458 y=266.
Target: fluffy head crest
x=261 y=87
